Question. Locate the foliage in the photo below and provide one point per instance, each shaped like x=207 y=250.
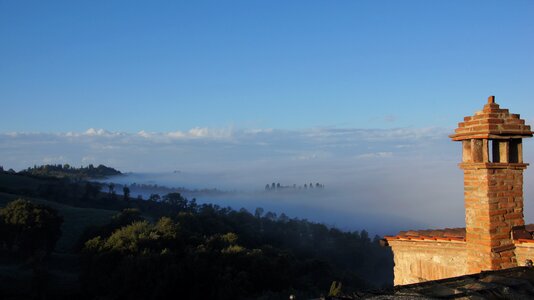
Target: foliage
x=28 y=228
x=205 y=251
x=119 y=220
x=138 y=237
x=175 y=199
x=335 y=289
x=68 y=171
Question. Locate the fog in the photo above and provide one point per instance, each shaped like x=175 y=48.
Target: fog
x=382 y=195
x=379 y=180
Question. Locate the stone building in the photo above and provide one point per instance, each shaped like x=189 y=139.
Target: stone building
x=495 y=236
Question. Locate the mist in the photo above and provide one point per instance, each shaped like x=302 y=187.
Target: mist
x=379 y=180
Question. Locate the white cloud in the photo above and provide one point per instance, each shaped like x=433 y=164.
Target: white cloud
x=54 y=160
x=93 y=132
x=89 y=160
x=200 y=133
x=176 y=134
x=218 y=147
x=375 y=155
x=144 y=134
x=258 y=131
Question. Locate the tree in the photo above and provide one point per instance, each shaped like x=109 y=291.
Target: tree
x=175 y=199
x=137 y=237
x=112 y=193
x=154 y=197
x=364 y=236
x=111 y=188
x=258 y=212
x=91 y=190
x=270 y=216
x=30 y=228
x=283 y=218
x=126 y=193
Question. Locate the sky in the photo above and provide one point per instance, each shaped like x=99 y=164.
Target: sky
x=357 y=95
x=176 y=65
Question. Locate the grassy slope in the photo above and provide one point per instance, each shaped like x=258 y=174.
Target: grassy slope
x=76 y=220
x=14 y=181
x=16 y=279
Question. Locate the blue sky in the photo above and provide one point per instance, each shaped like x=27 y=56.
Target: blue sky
x=175 y=65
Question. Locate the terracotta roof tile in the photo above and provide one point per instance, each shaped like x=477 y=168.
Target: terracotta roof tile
x=520 y=234
x=447 y=234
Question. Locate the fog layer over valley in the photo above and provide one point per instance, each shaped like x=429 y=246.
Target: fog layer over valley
x=379 y=180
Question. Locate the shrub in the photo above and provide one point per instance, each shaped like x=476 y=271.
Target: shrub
x=29 y=228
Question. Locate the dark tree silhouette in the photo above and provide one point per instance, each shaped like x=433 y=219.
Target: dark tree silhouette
x=126 y=193
x=30 y=228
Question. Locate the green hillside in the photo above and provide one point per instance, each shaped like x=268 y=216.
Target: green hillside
x=76 y=219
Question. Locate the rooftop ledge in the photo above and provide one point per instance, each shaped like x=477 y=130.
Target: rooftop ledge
x=495 y=135
x=520 y=235
x=488 y=165
x=530 y=242
x=425 y=238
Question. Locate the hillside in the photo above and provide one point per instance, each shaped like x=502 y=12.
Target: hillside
x=67 y=171
x=222 y=247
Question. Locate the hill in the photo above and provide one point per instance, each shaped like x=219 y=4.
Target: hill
x=67 y=171
x=180 y=247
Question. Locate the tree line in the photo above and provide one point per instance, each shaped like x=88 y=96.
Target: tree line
x=277 y=186
x=66 y=170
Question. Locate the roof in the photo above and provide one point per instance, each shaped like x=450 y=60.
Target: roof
x=447 y=234
x=512 y=283
x=492 y=122
x=521 y=234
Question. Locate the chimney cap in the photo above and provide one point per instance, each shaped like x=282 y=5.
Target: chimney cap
x=492 y=122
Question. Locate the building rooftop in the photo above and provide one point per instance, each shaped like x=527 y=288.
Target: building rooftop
x=520 y=234
x=492 y=122
x=512 y=283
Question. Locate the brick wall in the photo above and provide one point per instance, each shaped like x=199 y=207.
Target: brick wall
x=417 y=261
x=493 y=205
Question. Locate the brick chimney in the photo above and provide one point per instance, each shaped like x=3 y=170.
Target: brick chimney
x=492 y=161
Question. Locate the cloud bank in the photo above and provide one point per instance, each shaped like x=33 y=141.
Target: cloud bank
x=219 y=148
x=407 y=174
